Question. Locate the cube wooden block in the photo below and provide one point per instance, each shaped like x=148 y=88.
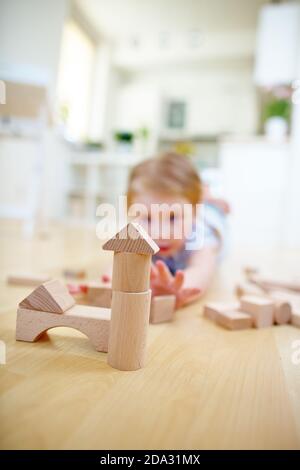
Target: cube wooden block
x=234 y=320
x=212 y=309
x=99 y=296
x=162 y=308
x=260 y=308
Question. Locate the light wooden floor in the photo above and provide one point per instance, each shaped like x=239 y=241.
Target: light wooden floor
x=203 y=387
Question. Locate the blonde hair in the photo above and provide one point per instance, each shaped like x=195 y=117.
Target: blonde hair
x=168 y=173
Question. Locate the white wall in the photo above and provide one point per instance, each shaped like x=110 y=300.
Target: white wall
x=30 y=35
x=220 y=97
x=30 y=38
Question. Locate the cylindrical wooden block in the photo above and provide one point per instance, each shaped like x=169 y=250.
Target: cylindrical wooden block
x=128 y=329
x=282 y=312
x=131 y=272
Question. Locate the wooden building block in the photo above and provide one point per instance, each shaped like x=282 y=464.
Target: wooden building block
x=128 y=329
x=52 y=296
x=282 y=312
x=132 y=239
x=293 y=299
x=74 y=273
x=212 y=309
x=98 y=295
x=91 y=321
x=261 y=309
x=247 y=288
x=162 y=308
x=131 y=272
x=270 y=284
x=234 y=320
x=27 y=279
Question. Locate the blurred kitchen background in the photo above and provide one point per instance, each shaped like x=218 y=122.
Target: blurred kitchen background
x=90 y=87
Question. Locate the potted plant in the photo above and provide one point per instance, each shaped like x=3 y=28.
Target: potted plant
x=277 y=114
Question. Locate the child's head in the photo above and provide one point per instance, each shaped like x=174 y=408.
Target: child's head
x=169 y=179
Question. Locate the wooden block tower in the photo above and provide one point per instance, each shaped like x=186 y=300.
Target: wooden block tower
x=131 y=296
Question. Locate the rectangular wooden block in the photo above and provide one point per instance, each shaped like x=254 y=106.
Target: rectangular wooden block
x=246 y=288
x=234 y=320
x=27 y=279
x=212 y=309
x=162 y=308
x=261 y=309
x=99 y=296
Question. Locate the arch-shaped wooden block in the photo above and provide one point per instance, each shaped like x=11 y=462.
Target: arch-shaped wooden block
x=91 y=321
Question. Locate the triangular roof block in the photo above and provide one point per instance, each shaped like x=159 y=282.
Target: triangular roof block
x=132 y=239
x=52 y=296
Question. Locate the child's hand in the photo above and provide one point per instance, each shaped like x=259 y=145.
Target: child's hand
x=164 y=283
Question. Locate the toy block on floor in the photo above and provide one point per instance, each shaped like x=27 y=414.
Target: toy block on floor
x=98 y=295
x=270 y=284
x=260 y=308
x=293 y=300
x=212 y=309
x=234 y=320
x=91 y=321
x=246 y=288
x=27 y=279
x=52 y=296
x=122 y=330
x=162 y=308
x=131 y=296
x=74 y=273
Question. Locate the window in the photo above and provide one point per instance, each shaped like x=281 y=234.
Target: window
x=74 y=81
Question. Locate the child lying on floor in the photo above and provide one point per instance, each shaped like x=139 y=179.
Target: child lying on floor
x=190 y=239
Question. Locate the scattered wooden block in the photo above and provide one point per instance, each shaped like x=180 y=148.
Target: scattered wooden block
x=74 y=273
x=246 y=288
x=27 y=279
x=282 y=312
x=212 y=309
x=261 y=309
x=162 y=308
x=234 y=320
x=52 y=296
x=293 y=300
x=99 y=296
x=91 y=321
x=269 y=284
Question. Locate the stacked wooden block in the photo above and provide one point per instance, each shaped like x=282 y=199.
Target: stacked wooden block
x=120 y=330
x=50 y=305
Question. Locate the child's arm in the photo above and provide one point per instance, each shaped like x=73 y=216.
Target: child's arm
x=189 y=284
